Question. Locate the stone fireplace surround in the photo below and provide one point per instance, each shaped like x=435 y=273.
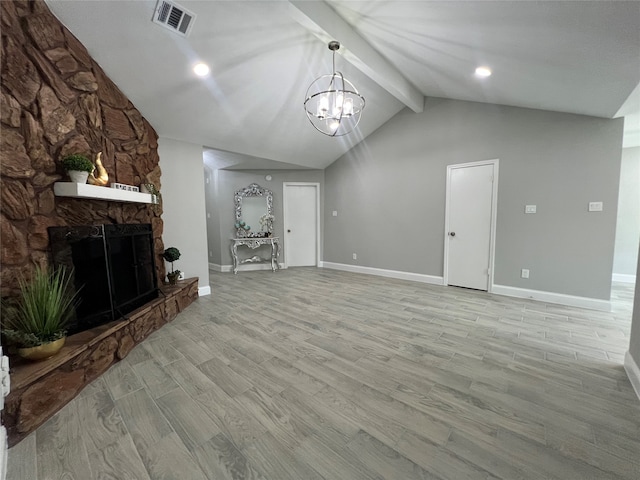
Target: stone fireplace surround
x=56 y=100
x=40 y=389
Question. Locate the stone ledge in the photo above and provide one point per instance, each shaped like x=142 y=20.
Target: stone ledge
x=40 y=389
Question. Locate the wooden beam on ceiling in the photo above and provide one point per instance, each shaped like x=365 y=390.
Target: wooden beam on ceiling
x=323 y=22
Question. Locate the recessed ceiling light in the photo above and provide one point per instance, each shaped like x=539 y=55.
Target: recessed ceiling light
x=201 y=69
x=483 y=72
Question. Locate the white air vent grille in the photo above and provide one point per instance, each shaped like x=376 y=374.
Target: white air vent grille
x=174 y=17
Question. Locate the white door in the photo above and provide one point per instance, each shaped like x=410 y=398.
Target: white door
x=301 y=228
x=470 y=224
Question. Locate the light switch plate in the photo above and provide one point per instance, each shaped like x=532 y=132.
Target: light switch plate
x=595 y=206
x=530 y=209
x=335 y=213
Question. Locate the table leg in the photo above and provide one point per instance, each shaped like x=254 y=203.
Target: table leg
x=234 y=256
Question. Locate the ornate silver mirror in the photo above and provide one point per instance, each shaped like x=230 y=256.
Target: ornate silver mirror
x=254 y=211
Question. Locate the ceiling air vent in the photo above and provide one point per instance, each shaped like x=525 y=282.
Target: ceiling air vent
x=174 y=17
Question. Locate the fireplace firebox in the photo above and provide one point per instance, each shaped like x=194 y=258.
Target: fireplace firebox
x=113 y=269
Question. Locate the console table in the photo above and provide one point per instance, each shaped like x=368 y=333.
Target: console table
x=253 y=243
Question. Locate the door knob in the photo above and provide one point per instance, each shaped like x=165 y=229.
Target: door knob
x=453 y=234
x=288 y=231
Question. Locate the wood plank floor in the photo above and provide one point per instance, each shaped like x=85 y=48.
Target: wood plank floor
x=312 y=374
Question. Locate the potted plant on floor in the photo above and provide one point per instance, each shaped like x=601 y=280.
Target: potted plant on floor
x=37 y=320
x=78 y=167
x=172 y=254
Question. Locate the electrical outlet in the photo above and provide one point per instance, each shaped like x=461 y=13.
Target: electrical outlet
x=530 y=209
x=595 y=206
x=355 y=256
x=335 y=213
x=524 y=273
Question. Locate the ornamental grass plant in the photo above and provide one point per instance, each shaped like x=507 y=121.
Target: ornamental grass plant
x=43 y=311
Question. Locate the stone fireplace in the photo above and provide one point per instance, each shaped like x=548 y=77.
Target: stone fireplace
x=56 y=100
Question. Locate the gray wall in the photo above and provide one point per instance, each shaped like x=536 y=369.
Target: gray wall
x=389 y=192
x=634 y=344
x=213 y=215
x=220 y=201
x=625 y=255
x=183 y=202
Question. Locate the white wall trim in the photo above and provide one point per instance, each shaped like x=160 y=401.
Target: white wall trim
x=623 y=277
x=215 y=267
x=246 y=267
x=414 y=277
x=551 y=297
x=202 y=291
x=633 y=372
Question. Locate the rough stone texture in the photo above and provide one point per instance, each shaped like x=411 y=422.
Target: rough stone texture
x=63 y=60
x=34 y=139
x=100 y=358
x=40 y=389
x=14 y=162
x=9 y=110
x=57 y=120
x=84 y=81
x=78 y=50
x=13 y=248
x=54 y=101
x=45 y=31
x=20 y=76
x=126 y=345
x=38 y=235
x=50 y=394
x=43 y=180
x=17 y=199
x=117 y=124
x=46 y=202
x=51 y=77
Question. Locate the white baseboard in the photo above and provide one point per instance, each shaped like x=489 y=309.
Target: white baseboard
x=623 y=277
x=633 y=372
x=245 y=268
x=414 y=277
x=551 y=297
x=202 y=291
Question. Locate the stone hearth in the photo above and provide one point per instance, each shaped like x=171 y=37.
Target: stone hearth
x=40 y=389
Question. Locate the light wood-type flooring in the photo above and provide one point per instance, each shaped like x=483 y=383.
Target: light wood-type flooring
x=309 y=374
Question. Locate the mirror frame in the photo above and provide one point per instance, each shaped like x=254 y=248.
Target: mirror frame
x=253 y=190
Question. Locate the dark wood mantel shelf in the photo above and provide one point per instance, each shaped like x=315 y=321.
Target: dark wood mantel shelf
x=40 y=389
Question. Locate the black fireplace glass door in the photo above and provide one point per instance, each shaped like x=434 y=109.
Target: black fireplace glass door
x=91 y=280
x=113 y=268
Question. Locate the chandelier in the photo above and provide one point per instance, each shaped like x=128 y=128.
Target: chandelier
x=332 y=103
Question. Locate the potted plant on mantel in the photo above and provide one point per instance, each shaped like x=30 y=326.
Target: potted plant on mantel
x=37 y=320
x=172 y=254
x=78 y=167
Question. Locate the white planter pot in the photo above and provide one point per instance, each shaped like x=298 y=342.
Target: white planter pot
x=78 y=176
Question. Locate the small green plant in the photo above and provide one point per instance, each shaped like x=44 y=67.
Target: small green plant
x=43 y=310
x=172 y=254
x=78 y=163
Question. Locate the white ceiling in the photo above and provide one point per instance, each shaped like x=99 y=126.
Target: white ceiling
x=577 y=57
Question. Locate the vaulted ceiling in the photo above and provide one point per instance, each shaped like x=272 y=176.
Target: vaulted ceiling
x=576 y=57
